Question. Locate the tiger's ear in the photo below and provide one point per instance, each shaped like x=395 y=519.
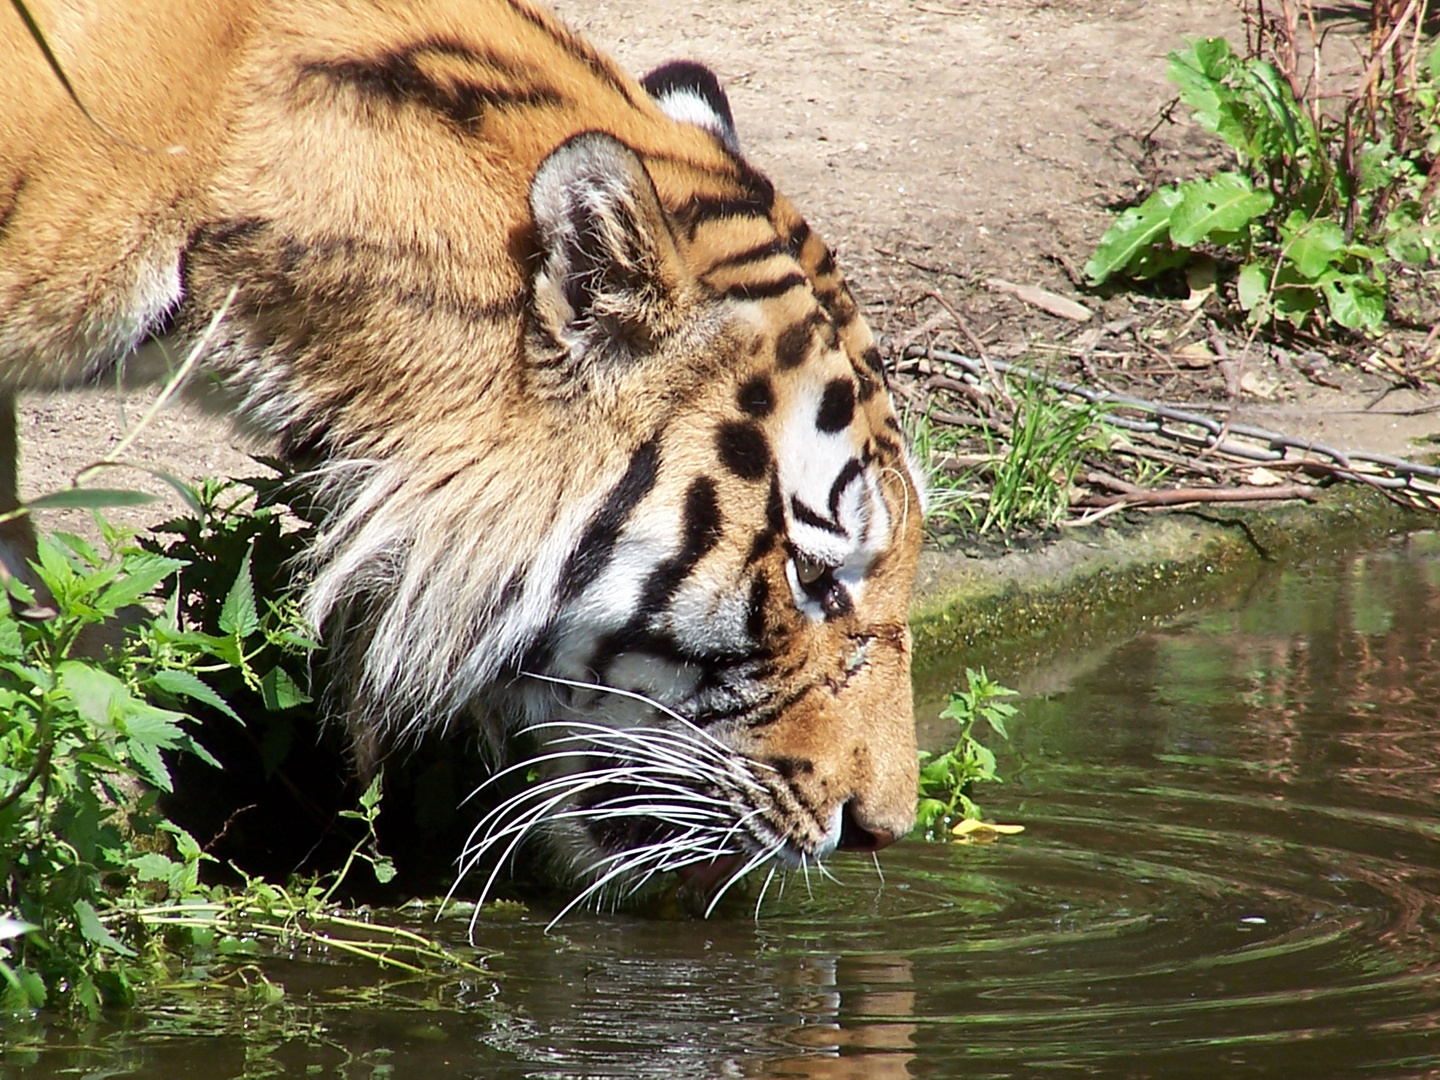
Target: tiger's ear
x=609 y=283
x=689 y=93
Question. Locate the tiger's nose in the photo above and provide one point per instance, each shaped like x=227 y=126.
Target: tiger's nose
x=858 y=835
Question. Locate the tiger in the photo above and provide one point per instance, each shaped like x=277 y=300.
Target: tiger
x=604 y=445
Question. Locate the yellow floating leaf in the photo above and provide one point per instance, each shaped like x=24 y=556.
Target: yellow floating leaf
x=972 y=831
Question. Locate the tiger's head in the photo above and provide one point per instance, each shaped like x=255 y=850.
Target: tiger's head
x=681 y=552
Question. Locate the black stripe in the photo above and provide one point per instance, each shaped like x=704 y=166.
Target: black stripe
x=758 y=185
x=753 y=255
x=743 y=449
x=702 y=208
x=756 y=397
x=847 y=476
x=807 y=516
x=597 y=545
x=763 y=290
x=837 y=406
x=826 y=266
x=792 y=345
x=763 y=717
x=755 y=614
x=764 y=540
x=702 y=530
x=396 y=78
x=340 y=293
x=798 y=238
x=577 y=48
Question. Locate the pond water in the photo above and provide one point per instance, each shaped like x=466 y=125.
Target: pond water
x=1231 y=868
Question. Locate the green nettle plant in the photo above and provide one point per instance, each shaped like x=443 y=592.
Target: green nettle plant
x=88 y=714
x=1315 y=212
x=82 y=747
x=946 y=779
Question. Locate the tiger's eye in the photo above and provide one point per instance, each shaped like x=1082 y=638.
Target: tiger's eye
x=808 y=570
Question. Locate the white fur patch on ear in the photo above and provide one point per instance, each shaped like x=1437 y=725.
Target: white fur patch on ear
x=689 y=93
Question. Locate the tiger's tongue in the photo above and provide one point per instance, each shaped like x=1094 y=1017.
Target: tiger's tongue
x=706 y=877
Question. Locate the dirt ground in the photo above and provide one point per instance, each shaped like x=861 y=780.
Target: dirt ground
x=938 y=144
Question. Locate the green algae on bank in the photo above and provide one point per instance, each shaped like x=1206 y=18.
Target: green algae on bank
x=1104 y=582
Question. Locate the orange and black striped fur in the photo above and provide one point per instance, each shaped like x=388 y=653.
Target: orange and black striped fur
x=602 y=436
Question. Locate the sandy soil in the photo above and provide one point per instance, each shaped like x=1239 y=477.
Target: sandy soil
x=936 y=143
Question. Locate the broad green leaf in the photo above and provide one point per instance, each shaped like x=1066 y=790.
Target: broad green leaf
x=1378 y=165
x=145 y=723
x=87 y=920
x=238 y=615
x=1197 y=71
x=1224 y=202
x=1135 y=231
x=384 y=870
x=152 y=866
x=96 y=694
x=80 y=546
x=1314 y=246
x=142 y=573
x=55 y=568
x=1278 y=101
x=1414 y=246
x=89 y=499
x=151 y=765
x=1253 y=286
x=280 y=691
x=187 y=743
x=1355 y=302
x=186 y=684
x=11 y=643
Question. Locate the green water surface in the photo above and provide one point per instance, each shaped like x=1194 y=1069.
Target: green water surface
x=1231 y=868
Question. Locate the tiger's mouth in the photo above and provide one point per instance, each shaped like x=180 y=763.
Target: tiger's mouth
x=630 y=804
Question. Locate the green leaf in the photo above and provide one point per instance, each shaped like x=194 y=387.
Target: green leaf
x=80 y=546
x=1135 y=232
x=1355 y=302
x=147 y=759
x=1254 y=286
x=94 y=931
x=142 y=573
x=55 y=569
x=371 y=799
x=89 y=499
x=238 y=614
x=1198 y=71
x=927 y=812
x=12 y=645
x=1312 y=245
x=1414 y=246
x=280 y=691
x=152 y=866
x=384 y=870
x=179 y=683
x=1225 y=202
x=96 y=694
x=156 y=727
